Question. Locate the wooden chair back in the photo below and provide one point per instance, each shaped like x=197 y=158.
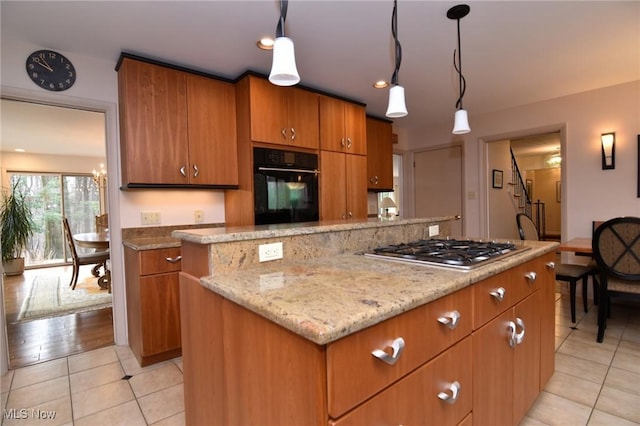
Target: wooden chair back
x=102 y=223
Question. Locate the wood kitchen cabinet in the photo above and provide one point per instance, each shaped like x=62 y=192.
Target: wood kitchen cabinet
x=153 y=303
x=283 y=115
x=456 y=366
x=343 y=186
x=379 y=155
x=342 y=126
x=508 y=347
x=176 y=128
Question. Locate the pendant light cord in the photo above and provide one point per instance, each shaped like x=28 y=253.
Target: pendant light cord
x=398 y=48
x=283 y=15
x=458 y=67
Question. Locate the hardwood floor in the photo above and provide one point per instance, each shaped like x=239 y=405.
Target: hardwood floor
x=45 y=339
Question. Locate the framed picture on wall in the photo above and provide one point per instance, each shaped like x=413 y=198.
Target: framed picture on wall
x=497 y=178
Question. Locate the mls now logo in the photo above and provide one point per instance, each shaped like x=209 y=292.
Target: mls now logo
x=15 y=414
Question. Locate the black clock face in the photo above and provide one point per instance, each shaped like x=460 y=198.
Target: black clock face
x=51 y=70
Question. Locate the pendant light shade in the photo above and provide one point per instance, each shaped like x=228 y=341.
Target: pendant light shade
x=283 y=68
x=461 y=122
x=397 y=107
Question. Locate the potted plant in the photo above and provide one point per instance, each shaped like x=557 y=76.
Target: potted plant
x=17 y=228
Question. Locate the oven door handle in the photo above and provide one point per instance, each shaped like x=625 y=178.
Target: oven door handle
x=276 y=169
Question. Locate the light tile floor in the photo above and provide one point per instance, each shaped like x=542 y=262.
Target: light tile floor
x=594 y=384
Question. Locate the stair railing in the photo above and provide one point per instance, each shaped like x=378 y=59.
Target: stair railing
x=519 y=188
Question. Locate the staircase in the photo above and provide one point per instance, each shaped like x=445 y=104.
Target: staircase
x=524 y=204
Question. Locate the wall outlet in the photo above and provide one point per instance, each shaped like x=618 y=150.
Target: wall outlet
x=267 y=252
x=434 y=230
x=198 y=216
x=150 y=218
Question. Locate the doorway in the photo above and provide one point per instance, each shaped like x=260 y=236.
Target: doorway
x=536 y=164
x=68 y=146
x=438 y=184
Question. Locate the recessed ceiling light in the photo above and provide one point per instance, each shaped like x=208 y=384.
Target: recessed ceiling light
x=265 y=43
x=381 y=84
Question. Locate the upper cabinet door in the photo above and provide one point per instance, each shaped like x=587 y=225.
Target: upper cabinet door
x=269 y=114
x=153 y=123
x=342 y=126
x=379 y=155
x=213 y=150
x=303 y=116
x=283 y=115
x=355 y=128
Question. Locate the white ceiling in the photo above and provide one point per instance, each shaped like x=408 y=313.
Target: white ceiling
x=513 y=52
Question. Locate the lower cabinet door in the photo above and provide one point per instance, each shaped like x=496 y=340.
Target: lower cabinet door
x=160 y=313
x=437 y=393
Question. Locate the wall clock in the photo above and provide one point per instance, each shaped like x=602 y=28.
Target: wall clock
x=51 y=70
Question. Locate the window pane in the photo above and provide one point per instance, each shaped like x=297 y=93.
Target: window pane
x=81 y=204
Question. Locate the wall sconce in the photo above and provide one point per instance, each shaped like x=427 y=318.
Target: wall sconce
x=608 y=151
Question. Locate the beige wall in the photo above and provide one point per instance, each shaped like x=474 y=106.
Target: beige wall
x=588 y=191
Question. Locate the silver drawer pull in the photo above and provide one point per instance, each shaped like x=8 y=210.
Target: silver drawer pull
x=174 y=259
x=531 y=276
x=196 y=171
x=516 y=338
x=349 y=143
x=183 y=171
x=512 y=334
x=451 y=394
x=551 y=265
x=342 y=142
x=397 y=346
x=498 y=293
x=519 y=337
x=450 y=319
x=293 y=134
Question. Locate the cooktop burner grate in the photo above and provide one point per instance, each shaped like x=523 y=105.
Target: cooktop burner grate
x=462 y=254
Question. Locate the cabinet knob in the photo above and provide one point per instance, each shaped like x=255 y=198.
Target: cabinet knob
x=531 y=276
x=293 y=134
x=183 y=171
x=350 y=215
x=498 y=293
x=397 y=346
x=349 y=143
x=196 y=171
x=342 y=142
x=551 y=265
x=450 y=319
x=450 y=395
x=173 y=259
x=284 y=133
x=374 y=180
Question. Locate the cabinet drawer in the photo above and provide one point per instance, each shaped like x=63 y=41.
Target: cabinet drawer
x=354 y=373
x=415 y=399
x=494 y=295
x=159 y=261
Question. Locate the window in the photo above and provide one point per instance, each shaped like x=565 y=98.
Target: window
x=52 y=196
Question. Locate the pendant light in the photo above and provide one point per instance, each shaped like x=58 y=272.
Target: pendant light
x=283 y=67
x=461 y=122
x=397 y=107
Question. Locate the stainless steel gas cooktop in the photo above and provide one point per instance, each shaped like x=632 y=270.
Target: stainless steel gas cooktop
x=449 y=253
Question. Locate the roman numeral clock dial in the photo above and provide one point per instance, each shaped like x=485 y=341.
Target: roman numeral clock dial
x=51 y=70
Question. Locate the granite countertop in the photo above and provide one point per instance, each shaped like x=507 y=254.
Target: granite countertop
x=245 y=233
x=151 y=243
x=327 y=298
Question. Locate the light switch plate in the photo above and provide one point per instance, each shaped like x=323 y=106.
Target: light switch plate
x=434 y=230
x=150 y=218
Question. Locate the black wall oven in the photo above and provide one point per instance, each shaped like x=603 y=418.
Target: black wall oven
x=285 y=186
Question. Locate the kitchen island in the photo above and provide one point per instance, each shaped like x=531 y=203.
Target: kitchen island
x=329 y=336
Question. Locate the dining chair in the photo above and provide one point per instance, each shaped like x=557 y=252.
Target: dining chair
x=616 y=248
x=102 y=222
x=563 y=271
x=80 y=259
